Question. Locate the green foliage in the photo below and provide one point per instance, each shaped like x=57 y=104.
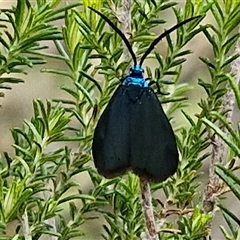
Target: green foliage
x=24 y=27
x=194 y=227
x=126 y=221
x=214 y=114
x=38 y=186
x=233 y=221
x=222 y=41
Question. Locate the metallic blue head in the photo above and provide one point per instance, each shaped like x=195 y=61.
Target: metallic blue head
x=136 y=71
x=136 y=77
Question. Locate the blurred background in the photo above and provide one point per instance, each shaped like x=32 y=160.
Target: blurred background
x=17 y=104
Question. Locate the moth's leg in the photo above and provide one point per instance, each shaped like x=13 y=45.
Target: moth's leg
x=122 y=79
x=158 y=87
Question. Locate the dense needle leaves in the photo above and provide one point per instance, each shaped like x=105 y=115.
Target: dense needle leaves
x=43 y=188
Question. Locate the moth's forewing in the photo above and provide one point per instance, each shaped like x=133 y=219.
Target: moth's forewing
x=111 y=142
x=153 y=150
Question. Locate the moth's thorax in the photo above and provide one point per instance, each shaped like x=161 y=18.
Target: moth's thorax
x=136 y=77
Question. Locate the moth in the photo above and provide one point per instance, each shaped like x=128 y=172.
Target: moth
x=133 y=133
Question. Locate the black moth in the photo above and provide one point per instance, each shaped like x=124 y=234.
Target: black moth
x=133 y=132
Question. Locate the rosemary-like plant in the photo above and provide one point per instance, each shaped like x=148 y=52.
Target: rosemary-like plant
x=41 y=193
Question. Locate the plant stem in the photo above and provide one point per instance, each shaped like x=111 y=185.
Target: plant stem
x=235 y=70
x=219 y=147
x=148 y=209
x=126 y=22
x=219 y=150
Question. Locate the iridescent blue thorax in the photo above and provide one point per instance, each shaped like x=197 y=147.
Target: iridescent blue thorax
x=136 y=77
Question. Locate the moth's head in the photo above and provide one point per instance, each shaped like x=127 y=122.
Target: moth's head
x=137 y=71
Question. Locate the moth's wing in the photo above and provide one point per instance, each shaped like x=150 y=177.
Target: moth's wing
x=111 y=137
x=153 y=150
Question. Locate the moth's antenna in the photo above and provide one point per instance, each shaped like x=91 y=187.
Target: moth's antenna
x=119 y=33
x=159 y=38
